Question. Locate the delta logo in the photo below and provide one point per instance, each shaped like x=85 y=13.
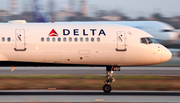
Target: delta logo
x=77 y=32
x=53 y=33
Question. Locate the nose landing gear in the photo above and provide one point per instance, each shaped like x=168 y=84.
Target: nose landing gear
x=109 y=71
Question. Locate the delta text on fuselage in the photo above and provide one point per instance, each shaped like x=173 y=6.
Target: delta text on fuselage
x=77 y=31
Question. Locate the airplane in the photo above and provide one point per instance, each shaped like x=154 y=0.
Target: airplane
x=163 y=32
x=76 y=44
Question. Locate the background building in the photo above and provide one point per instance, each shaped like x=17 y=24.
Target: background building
x=13 y=4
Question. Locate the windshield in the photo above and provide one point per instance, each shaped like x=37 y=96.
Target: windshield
x=143 y=40
x=149 y=40
x=154 y=40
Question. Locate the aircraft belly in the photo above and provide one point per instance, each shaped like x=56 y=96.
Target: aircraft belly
x=53 y=57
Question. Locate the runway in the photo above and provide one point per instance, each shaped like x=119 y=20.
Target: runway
x=88 y=96
x=147 y=70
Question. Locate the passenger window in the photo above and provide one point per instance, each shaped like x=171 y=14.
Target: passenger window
x=81 y=39
x=64 y=39
x=9 y=39
x=70 y=39
x=42 y=39
x=143 y=40
x=98 y=39
x=75 y=39
x=92 y=39
x=3 y=39
x=53 y=39
x=149 y=40
x=59 y=39
x=48 y=39
x=87 y=39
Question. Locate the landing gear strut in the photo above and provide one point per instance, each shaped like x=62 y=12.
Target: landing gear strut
x=109 y=72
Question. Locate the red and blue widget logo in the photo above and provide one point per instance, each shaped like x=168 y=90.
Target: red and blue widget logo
x=53 y=33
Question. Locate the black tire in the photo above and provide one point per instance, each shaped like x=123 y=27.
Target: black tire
x=107 y=88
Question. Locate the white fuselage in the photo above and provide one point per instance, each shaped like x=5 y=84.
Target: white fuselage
x=78 y=44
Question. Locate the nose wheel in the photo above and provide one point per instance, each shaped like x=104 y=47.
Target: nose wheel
x=107 y=88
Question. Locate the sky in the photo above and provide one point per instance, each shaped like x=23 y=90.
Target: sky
x=132 y=8
x=141 y=7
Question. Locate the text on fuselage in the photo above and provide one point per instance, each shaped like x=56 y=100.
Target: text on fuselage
x=76 y=32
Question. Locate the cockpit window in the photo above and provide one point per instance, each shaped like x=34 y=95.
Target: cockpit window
x=143 y=40
x=154 y=41
x=149 y=40
x=167 y=30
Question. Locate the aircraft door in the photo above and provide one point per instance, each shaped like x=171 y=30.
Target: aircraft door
x=20 y=40
x=121 y=41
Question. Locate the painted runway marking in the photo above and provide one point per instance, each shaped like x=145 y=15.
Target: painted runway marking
x=51 y=88
x=99 y=100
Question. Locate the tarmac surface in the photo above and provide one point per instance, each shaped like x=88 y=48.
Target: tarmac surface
x=163 y=71
x=88 y=96
x=171 y=68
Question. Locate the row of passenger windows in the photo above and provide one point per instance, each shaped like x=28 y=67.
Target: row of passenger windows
x=143 y=40
x=8 y=39
x=70 y=39
x=148 y=40
x=59 y=39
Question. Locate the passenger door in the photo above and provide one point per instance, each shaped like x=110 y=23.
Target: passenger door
x=121 y=41
x=19 y=40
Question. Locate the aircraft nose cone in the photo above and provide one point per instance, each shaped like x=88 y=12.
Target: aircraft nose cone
x=166 y=55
